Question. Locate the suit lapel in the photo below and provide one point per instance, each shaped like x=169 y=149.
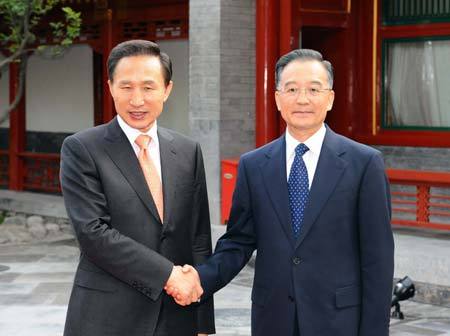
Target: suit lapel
x=122 y=154
x=274 y=174
x=168 y=171
x=328 y=172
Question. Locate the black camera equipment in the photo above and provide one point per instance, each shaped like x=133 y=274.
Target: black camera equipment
x=403 y=290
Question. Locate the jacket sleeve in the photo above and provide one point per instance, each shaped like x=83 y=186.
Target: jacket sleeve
x=235 y=247
x=376 y=249
x=87 y=207
x=201 y=242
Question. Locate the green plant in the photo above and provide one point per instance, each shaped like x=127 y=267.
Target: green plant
x=19 y=20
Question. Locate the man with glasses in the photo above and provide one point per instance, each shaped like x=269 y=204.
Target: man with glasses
x=316 y=207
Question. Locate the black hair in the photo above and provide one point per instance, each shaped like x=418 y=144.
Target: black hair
x=138 y=48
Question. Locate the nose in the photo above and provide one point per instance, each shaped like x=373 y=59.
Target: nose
x=302 y=96
x=137 y=98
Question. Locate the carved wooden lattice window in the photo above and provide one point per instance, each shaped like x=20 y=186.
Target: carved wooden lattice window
x=90 y=32
x=4 y=169
x=133 y=30
x=154 y=30
x=397 y=12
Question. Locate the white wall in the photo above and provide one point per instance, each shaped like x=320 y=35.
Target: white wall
x=4 y=94
x=176 y=110
x=59 y=91
x=59 y=96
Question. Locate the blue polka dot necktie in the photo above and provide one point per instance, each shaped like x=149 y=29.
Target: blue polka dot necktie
x=298 y=188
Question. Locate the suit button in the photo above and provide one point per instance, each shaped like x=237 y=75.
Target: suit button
x=296 y=260
x=291 y=298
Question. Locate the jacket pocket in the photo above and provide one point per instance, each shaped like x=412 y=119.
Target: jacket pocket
x=348 y=296
x=93 y=280
x=259 y=295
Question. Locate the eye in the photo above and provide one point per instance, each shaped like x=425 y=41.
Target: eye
x=292 y=90
x=314 y=91
x=126 y=87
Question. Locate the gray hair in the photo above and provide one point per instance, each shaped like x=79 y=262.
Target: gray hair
x=302 y=55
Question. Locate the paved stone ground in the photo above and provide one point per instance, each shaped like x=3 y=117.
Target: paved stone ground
x=34 y=292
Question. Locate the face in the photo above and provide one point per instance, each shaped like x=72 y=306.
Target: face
x=303 y=112
x=139 y=91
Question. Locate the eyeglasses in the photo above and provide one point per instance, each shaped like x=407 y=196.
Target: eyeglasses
x=293 y=92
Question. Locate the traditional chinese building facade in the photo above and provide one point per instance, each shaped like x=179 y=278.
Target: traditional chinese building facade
x=392 y=70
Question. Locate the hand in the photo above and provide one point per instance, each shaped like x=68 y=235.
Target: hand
x=184 y=285
x=202 y=334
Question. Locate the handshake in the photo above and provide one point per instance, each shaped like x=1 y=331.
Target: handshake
x=184 y=285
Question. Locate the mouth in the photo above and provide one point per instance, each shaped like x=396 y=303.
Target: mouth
x=301 y=113
x=137 y=114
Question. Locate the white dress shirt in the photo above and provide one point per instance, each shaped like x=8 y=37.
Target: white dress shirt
x=311 y=157
x=153 y=146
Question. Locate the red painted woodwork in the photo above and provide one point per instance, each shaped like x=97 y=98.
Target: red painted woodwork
x=286 y=37
x=228 y=179
x=4 y=170
x=107 y=37
x=431 y=29
x=326 y=20
x=267 y=52
x=41 y=172
x=423 y=198
x=349 y=34
x=325 y=5
x=105 y=23
x=368 y=126
x=16 y=131
x=324 y=13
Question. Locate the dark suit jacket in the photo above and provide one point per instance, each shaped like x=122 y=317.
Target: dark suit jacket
x=337 y=277
x=127 y=254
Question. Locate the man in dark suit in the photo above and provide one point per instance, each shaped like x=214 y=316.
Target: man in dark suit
x=136 y=196
x=316 y=207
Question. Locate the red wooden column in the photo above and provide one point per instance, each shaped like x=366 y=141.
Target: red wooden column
x=16 y=131
x=267 y=51
x=287 y=38
x=108 y=111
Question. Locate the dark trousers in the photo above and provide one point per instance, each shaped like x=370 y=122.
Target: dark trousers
x=171 y=323
x=296 y=331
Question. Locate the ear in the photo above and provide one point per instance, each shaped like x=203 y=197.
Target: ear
x=168 y=90
x=330 y=100
x=277 y=100
x=110 y=85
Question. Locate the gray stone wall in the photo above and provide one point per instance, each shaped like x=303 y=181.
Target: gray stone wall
x=204 y=90
x=221 y=84
x=237 y=77
x=417 y=158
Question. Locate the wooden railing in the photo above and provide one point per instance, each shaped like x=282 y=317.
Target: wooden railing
x=4 y=164
x=37 y=172
x=420 y=198
x=41 y=172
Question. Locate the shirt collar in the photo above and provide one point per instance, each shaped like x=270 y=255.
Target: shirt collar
x=133 y=133
x=314 y=142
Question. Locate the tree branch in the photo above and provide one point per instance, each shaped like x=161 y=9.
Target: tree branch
x=21 y=88
x=22 y=55
x=26 y=36
x=17 y=54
